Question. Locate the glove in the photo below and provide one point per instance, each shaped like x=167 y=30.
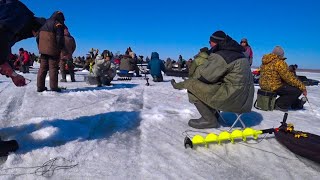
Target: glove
x=178 y=86
x=17 y=79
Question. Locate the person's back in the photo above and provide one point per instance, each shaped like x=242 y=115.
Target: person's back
x=233 y=71
x=156 y=66
x=276 y=77
x=127 y=63
x=274 y=73
x=51 y=42
x=51 y=36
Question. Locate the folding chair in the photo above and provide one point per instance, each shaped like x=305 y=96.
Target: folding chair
x=235 y=122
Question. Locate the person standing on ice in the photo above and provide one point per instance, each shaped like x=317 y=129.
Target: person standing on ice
x=224 y=82
x=248 y=50
x=17 y=22
x=66 y=56
x=50 y=44
x=275 y=76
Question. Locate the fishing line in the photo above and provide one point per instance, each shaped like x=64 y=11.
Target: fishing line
x=47 y=169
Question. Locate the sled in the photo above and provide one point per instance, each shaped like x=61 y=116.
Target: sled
x=125 y=73
x=177 y=73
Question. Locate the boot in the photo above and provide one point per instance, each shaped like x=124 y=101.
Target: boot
x=42 y=89
x=99 y=83
x=64 y=77
x=72 y=76
x=208 y=118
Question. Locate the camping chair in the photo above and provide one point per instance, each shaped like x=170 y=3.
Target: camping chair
x=238 y=119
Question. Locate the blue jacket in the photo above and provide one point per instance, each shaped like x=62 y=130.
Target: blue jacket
x=156 y=65
x=14 y=15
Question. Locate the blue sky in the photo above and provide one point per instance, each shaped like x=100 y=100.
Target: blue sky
x=173 y=27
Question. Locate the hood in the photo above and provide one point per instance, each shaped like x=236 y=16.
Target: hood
x=154 y=55
x=58 y=16
x=203 y=55
x=231 y=45
x=268 y=58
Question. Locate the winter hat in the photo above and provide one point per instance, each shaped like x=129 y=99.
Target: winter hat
x=218 y=36
x=244 y=40
x=278 y=51
x=106 y=53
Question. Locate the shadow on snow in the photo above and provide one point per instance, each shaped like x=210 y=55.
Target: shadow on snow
x=59 y=132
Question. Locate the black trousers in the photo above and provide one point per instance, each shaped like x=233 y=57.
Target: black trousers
x=289 y=97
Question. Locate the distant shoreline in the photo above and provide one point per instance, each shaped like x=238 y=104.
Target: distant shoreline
x=300 y=70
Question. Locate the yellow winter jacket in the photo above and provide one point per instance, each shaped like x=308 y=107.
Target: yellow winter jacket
x=275 y=72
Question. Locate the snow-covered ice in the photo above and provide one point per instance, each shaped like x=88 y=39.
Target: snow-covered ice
x=133 y=131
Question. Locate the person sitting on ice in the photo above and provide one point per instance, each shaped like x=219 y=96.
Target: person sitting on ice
x=224 y=82
x=156 y=66
x=276 y=77
x=102 y=69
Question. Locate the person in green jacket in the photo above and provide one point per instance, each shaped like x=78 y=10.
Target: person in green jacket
x=200 y=58
x=224 y=82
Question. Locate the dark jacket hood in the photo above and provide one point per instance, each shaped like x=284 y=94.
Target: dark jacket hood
x=228 y=44
x=229 y=49
x=154 y=55
x=58 y=16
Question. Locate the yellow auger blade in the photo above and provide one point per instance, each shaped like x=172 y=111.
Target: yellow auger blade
x=225 y=136
x=197 y=139
x=236 y=134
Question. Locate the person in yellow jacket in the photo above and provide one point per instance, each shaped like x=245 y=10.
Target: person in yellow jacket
x=276 y=77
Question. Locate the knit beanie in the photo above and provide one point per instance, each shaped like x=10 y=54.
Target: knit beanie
x=278 y=51
x=218 y=36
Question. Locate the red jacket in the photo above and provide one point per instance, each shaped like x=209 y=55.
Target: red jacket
x=25 y=57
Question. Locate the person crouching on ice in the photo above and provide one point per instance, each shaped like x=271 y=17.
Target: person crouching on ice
x=156 y=66
x=102 y=69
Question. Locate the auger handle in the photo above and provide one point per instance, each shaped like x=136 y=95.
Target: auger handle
x=285 y=117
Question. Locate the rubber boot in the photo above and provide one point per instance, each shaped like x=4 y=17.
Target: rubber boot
x=208 y=117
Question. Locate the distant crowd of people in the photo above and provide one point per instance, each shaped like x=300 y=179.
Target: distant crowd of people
x=220 y=77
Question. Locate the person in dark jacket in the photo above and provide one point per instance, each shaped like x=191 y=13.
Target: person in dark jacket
x=156 y=66
x=51 y=42
x=17 y=22
x=223 y=82
x=66 y=56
